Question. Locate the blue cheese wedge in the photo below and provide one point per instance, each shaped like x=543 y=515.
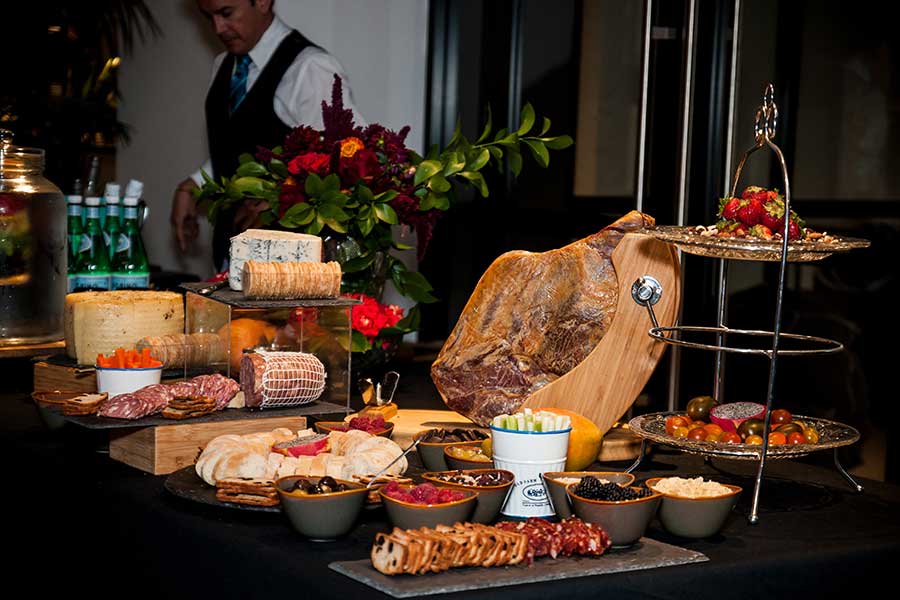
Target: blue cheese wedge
x=271 y=246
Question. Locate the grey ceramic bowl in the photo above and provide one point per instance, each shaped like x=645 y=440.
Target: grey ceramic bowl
x=491 y=498
x=695 y=517
x=329 y=426
x=321 y=517
x=556 y=488
x=406 y=515
x=455 y=463
x=624 y=521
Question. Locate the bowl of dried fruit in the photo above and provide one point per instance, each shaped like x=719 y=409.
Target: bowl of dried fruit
x=624 y=512
x=492 y=485
x=694 y=508
x=556 y=482
x=375 y=425
x=431 y=448
x=320 y=508
x=426 y=505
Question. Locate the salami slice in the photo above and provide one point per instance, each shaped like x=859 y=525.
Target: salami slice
x=218 y=387
x=281 y=378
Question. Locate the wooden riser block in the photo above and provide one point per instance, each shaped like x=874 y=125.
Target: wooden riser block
x=162 y=449
x=50 y=378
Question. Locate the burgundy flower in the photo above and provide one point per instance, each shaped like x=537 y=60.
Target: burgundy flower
x=338 y=120
x=289 y=196
x=302 y=139
x=310 y=162
x=363 y=166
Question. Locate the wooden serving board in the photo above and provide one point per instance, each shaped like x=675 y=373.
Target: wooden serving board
x=606 y=383
x=163 y=449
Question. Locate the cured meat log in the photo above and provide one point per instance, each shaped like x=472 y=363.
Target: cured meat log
x=532 y=318
x=281 y=378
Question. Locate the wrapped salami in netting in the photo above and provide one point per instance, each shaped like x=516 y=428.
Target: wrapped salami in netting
x=272 y=379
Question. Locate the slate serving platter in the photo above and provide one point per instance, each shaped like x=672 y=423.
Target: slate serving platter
x=646 y=554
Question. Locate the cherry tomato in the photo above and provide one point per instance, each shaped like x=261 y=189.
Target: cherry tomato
x=730 y=437
x=811 y=435
x=675 y=421
x=777 y=438
x=696 y=425
x=697 y=433
x=780 y=416
x=680 y=432
x=713 y=437
x=712 y=429
x=754 y=440
x=796 y=438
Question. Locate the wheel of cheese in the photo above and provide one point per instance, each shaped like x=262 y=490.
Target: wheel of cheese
x=352 y=453
x=99 y=322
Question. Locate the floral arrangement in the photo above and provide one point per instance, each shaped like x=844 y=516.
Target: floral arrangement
x=351 y=185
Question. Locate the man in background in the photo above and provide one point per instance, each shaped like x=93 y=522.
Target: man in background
x=269 y=80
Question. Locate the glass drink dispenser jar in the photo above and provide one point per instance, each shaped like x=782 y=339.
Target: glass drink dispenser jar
x=32 y=248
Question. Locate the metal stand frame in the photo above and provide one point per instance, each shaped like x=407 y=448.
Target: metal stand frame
x=646 y=292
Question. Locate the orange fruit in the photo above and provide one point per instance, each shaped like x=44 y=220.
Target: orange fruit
x=246 y=333
x=584 y=440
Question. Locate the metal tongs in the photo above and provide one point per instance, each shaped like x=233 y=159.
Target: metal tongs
x=381 y=393
x=419 y=437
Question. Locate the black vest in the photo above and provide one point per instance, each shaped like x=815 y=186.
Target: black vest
x=253 y=124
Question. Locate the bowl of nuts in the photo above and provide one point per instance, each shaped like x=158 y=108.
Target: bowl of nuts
x=320 y=508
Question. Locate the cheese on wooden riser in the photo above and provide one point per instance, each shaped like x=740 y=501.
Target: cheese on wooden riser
x=272 y=246
x=99 y=322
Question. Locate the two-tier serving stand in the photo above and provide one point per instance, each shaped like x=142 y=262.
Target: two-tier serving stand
x=646 y=291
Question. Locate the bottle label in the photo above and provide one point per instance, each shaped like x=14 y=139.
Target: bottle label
x=92 y=282
x=130 y=282
x=74 y=210
x=124 y=244
x=93 y=212
x=85 y=244
x=106 y=238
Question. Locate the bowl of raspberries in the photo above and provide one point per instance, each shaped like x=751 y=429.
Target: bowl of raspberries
x=426 y=505
x=375 y=425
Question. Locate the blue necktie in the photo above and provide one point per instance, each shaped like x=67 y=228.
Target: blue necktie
x=238 y=88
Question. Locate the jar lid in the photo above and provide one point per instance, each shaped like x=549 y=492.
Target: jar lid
x=16 y=160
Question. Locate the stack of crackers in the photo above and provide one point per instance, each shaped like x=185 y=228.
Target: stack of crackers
x=185 y=407
x=419 y=551
x=249 y=491
x=274 y=280
x=84 y=404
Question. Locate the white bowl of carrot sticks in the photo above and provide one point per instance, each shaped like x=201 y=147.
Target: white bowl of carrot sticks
x=126 y=371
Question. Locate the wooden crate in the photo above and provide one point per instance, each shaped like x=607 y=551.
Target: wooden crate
x=162 y=449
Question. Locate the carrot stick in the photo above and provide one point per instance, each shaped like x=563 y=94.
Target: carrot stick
x=145 y=357
x=120 y=358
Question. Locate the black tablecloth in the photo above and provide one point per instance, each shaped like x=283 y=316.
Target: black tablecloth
x=77 y=521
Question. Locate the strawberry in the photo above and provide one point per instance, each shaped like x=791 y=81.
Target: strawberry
x=761 y=231
x=750 y=212
x=773 y=215
x=728 y=207
x=793 y=230
x=755 y=192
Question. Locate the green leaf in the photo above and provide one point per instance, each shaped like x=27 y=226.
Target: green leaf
x=335 y=225
x=359 y=342
x=425 y=170
x=487 y=128
x=478 y=161
x=332 y=183
x=313 y=185
x=245 y=157
x=457 y=133
x=512 y=140
x=385 y=197
x=278 y=168
x=477 y=180
x=456 y=162
x=366 y=225
x=501 y=134
x=334 y=212
x=359 y=263
x=439 y=184
x=539 y=151
x=527 y=119
x=400 y=246
x=433 y=152
x=386 y=213
x=315 y=227
x=414 y=278
x=427 y=203
x=365 y=195
x=206 y=178
x=298 y=215
x=515 y=161
x=559 y=142
x=496 y=152
x=251 y=169
x=546 y=126
x=439 y=201
x=254 y=187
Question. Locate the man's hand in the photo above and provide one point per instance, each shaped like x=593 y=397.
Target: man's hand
x=184 y=214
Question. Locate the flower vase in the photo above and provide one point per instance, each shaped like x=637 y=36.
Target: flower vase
x=369 y=281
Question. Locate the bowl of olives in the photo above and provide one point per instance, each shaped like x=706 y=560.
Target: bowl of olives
x=431 y=448
x=321 y=508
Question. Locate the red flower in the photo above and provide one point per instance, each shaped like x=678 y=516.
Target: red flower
x=311 y=162
x=289 y=195
x=363 y=166
x=370 y=317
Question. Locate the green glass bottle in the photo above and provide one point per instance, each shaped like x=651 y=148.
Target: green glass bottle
x=112 y=226
x=94 y=257
x=75 y=236
x=130 y=268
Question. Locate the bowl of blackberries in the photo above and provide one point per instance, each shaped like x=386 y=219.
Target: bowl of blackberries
x=434 y=441
x=624 y=512
x=321 y=508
